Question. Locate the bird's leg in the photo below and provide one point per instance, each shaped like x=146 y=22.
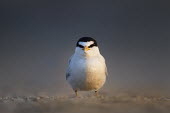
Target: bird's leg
x=96 y=93
x=76 y=93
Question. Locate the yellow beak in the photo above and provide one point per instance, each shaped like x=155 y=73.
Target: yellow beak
x=86 y=48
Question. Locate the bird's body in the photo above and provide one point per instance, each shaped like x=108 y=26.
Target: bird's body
x=87 y=69
x=87 y=73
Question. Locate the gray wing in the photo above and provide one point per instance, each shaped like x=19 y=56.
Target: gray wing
x=103 y=61
x=68 y=74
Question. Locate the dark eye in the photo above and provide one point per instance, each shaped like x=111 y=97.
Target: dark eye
x=81 y=46
x=91 y=46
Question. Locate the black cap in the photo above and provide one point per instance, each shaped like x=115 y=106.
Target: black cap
x=86 y=39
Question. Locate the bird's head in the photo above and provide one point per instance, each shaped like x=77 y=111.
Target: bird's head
x=87 y=46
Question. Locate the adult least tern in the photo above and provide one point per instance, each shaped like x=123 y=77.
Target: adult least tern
x=87 y=69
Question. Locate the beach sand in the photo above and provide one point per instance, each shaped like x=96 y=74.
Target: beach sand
x=123 y=103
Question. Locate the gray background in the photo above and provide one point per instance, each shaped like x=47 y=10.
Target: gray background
x=38 y=37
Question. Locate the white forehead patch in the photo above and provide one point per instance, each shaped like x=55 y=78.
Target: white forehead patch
x=86 y=43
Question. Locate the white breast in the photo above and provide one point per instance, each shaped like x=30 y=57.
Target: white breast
x=87 y=74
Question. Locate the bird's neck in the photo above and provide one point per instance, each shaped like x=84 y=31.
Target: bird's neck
x=87 y=55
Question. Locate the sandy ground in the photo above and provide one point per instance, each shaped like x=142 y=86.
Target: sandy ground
x=85 y=104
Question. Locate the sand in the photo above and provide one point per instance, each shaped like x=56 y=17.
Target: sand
x=85 y=104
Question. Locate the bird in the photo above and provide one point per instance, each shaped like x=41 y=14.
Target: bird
x=86 y=69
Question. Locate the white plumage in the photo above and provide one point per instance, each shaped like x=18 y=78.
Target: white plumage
x=87 y=69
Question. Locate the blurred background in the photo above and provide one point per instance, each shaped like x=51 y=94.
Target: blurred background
x=37 y=37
